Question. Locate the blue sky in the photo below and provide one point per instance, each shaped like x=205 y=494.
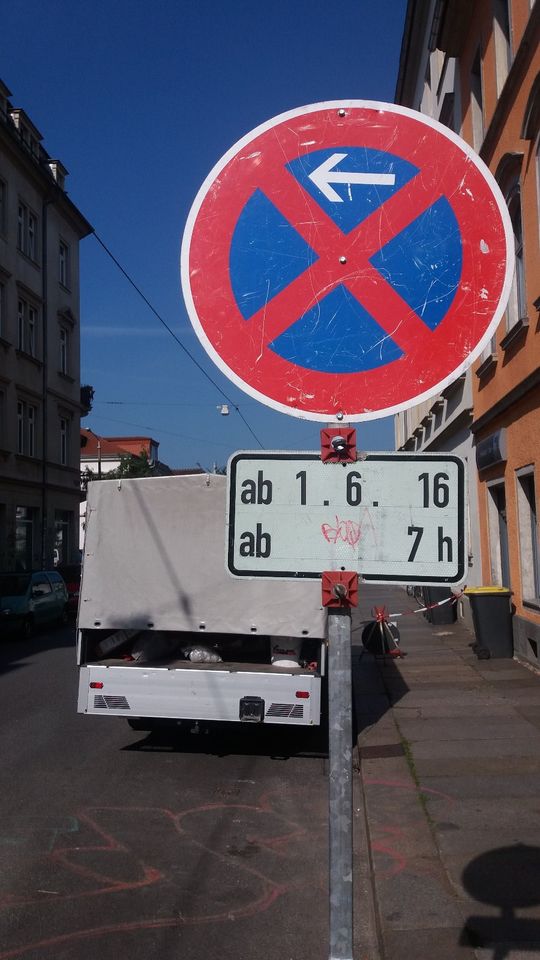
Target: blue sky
x=139 y=101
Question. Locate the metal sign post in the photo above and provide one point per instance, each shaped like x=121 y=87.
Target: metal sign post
x=340 y=783
x=339 y=593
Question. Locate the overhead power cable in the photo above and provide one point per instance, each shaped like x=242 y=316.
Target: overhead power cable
x=174 y=336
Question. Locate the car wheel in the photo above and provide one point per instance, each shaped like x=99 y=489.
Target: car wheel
x=27 y=628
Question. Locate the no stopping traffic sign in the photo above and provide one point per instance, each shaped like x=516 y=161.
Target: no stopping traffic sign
x=347 y=258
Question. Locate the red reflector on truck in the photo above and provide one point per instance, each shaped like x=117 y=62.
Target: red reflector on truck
x=96 y=685
x=302 y=694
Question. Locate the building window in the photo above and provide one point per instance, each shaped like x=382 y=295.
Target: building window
x=517 y=303
x=477 y=103
x=64 y=441
x=498 y=535
x=2 y=310
x=528 y=535
x=62 y=529
x=503 y=48
x=26 y=428
x=25 y=532
x=447 y=115
x=3 y=206
x=64 y=350
x=63 y=264
x=3 y=438
x=26 y=327
x=27 y=231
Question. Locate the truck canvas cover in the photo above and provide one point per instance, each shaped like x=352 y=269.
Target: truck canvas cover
x=154 y=558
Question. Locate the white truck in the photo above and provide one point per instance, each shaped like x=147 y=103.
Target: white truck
x=166 y=633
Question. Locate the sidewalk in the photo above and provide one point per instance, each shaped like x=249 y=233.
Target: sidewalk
x=449 y=786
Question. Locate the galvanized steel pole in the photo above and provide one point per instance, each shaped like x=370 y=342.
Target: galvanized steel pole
x=340 y=783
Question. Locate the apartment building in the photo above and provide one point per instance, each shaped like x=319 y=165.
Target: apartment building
x=40 y=398
x=475 y=67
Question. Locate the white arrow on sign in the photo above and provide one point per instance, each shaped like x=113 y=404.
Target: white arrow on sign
x=325 y=174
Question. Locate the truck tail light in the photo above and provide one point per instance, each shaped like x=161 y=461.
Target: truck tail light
x=96 y=685
x=302 y=694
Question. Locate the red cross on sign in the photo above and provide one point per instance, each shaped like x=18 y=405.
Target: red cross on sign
x=347 y=258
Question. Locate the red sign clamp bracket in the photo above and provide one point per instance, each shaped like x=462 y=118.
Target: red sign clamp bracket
x=338 y=445
x=339 y=588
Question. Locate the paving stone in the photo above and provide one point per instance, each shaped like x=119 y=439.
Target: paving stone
x=439 y=943
x=435 y=710
x=454 y=729
x=479 y=787
x=484 y=749
x=417 y=897
x=484 y=766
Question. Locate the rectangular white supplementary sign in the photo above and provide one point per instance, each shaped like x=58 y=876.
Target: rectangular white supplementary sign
x=391 y=517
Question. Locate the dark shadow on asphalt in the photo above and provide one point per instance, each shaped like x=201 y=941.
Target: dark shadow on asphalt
x=275 y=741
x=507 y=878
x=14 y=651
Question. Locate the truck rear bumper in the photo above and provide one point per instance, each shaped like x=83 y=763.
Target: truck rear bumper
x=198 y=694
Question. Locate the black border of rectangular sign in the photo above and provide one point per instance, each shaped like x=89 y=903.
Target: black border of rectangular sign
x=295 y=575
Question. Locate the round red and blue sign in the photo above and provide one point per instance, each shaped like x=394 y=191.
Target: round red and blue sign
x=347 y=259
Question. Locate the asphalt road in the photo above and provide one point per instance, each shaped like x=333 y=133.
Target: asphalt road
x=115 y=843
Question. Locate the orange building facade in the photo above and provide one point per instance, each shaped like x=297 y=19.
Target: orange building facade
x=490 y=48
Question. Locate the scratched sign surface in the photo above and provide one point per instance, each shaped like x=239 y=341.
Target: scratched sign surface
x=390 y=517
x=347 y=258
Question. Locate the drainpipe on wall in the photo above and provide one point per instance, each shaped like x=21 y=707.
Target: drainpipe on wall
x=44 y=414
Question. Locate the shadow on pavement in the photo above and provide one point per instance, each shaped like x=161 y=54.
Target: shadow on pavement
x=507 y=878
x=14 y=651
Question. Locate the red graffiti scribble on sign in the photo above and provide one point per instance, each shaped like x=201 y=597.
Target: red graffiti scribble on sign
x=346 y=530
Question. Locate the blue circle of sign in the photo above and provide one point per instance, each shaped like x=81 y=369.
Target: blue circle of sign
x=338 y=335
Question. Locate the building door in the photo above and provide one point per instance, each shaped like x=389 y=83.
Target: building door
x=498 y=529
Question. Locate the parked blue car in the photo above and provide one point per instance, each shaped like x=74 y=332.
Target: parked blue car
x=30 y=600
